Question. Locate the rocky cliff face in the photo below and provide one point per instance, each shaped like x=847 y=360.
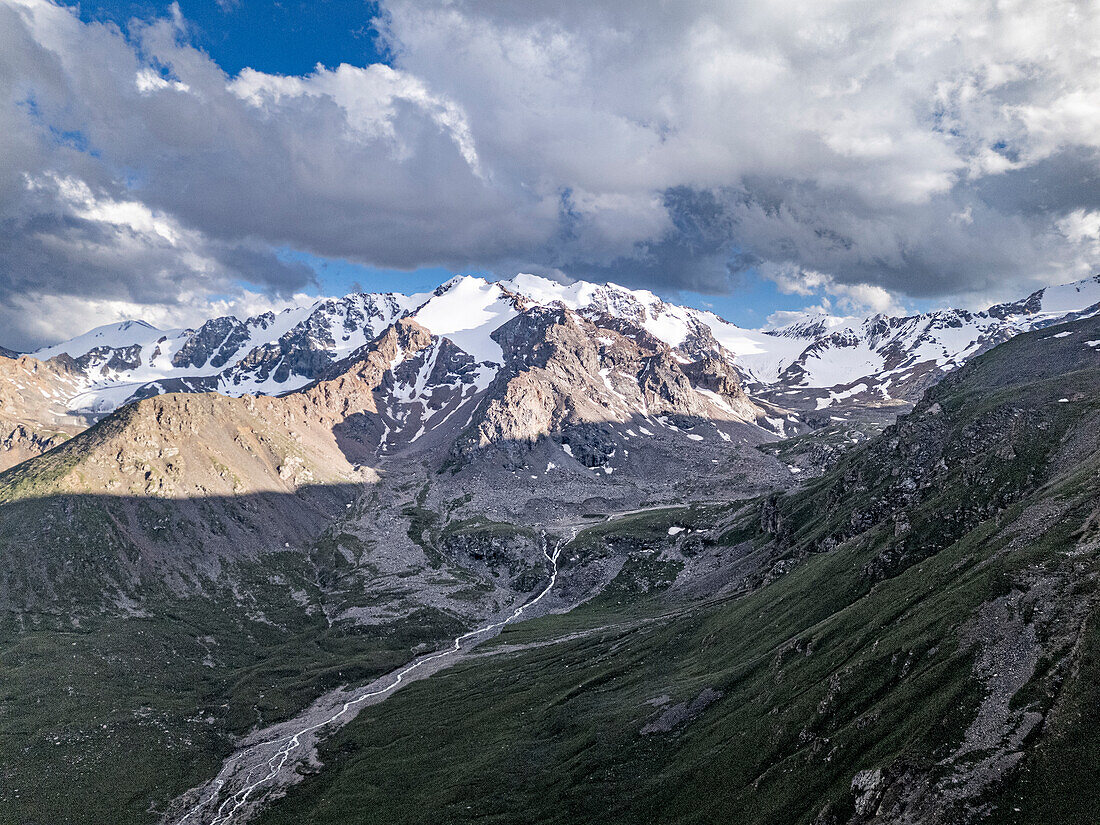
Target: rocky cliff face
x=562 y=369
x=185 y=445
x=34 y=414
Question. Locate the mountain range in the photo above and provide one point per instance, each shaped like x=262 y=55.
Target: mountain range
x=805 y=375
x=521 y=550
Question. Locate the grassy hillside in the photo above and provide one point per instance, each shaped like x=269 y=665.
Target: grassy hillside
x=922 y=648
x=189 y=570
x=163 y=592
x=919 y=640
x=121 y=688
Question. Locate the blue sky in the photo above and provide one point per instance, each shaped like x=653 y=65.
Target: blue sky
x=286 y=37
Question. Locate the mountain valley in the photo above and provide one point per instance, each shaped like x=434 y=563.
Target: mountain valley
x=837 y=572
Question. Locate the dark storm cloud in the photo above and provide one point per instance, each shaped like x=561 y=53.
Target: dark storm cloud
x=696 y=252
x=1054 y=186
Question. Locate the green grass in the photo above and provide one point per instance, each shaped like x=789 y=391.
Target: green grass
x=128 y=703
x=1058 y=784
x=117 y=692
x=111 y=680
x=823 y=673
x=852 y=660
x=484 y=733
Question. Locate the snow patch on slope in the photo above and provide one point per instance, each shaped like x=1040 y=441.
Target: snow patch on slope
x=1065 y=298
x=115 y=336
x=840 y=365
x=467 y=312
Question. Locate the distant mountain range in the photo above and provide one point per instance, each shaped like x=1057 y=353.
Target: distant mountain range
x=813 y=372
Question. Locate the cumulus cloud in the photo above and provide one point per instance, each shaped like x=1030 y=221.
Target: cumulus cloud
x=848 y=138
x=879 y=150
x=850 y=299
x=43 y=316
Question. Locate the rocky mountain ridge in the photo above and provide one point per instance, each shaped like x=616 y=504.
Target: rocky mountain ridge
x=817 y=372
x=276 y=353
x=34 y=408
x=884 y=360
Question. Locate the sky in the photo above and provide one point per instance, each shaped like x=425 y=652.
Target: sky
x=175 y=161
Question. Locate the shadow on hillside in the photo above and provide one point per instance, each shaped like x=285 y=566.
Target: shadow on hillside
x=52 y=545
x=47 y=538
x=359 y=437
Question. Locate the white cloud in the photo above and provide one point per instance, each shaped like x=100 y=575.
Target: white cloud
x=886 y=149
x=134 y=216
x=794 y=281
x=80 y=261
x=148 y=81
x=851 y=132
x=860 y=297
x=847 y=299
x=44 y=315
x=1080 y=226
x=367 y=97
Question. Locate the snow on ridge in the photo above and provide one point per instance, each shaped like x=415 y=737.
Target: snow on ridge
x=321 y=321
x=763 y=355
x=824 y=351
x=467 y=313
x=545 y=291
x=833 y=397
x=809 y=324
x=116 y=336
x=1066 y=298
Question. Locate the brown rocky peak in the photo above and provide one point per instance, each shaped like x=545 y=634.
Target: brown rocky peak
x=348 y=386
x=563 y=369
x=664 y=386
x=712 y=372
x=34 y=415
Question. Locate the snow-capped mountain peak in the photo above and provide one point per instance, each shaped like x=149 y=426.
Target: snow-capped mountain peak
x=112 y=336
x=467 y=310
x=807 y=362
